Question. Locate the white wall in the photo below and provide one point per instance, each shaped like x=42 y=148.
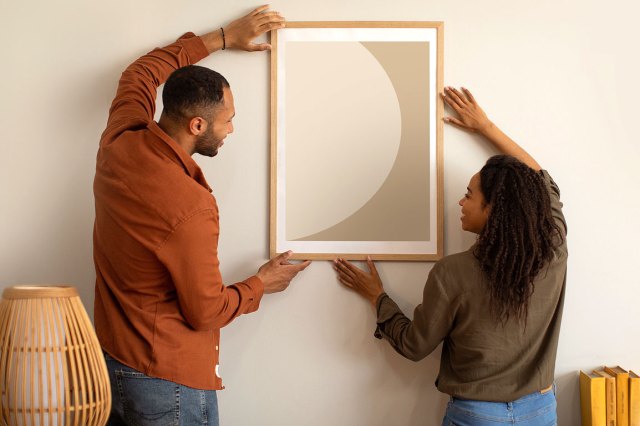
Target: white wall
x=559 y=76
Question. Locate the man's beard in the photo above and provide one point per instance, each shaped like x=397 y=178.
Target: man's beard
x=207 y=145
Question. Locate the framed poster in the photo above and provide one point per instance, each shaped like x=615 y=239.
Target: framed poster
x=356 y=140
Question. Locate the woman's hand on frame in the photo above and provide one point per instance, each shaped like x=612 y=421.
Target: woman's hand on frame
x=366 y=284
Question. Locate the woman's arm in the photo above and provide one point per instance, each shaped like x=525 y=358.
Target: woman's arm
x=472 y=118
x=432 y=319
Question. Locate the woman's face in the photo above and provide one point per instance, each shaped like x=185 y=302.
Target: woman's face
x=475 y=210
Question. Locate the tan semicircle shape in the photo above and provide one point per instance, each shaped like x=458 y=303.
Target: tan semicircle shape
x=399 y=210
x=337 y=155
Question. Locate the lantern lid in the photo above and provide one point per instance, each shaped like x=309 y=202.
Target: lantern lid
x=36 y=291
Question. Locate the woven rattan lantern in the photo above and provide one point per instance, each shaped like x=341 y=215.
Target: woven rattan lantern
x=52 y=371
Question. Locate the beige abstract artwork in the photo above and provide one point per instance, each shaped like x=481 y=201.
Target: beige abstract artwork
x=356 y=147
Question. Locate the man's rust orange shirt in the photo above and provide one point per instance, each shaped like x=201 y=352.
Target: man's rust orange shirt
x=160 y=301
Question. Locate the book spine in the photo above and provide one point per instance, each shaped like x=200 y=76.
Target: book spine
x=634 y=399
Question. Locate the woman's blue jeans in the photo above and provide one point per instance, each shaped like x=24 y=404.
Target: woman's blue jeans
x=536 y=409
x=140 y=400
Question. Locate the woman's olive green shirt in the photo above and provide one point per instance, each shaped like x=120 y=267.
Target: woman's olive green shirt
x=482 y=359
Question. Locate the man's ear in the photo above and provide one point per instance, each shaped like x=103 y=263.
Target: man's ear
x=197 y=126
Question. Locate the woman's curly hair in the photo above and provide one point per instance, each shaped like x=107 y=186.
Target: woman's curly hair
x=519 y=236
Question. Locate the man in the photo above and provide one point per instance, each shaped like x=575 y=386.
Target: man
x=160 y=301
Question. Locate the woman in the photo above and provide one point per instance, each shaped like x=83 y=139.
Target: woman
x=496 y=307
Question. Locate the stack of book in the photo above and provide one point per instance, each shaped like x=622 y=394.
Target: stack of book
x=610 y=396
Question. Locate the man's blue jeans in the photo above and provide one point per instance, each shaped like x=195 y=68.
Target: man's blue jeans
x=141 y=400
x=536 y=409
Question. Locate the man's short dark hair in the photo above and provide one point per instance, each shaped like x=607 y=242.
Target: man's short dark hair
x=192 y=91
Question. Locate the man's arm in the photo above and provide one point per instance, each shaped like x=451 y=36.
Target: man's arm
x=134 y=104
x=190 y=254
x=473 y=119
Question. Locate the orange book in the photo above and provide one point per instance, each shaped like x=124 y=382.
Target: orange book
x=592 y=400
x=622 y=393
x=634 y=399
x=610 y=398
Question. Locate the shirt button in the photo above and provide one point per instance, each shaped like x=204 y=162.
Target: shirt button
x=216 y=347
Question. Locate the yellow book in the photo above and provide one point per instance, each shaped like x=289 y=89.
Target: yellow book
x=634 y=399
x=610 y=398
x=622 y=393
x=592 y=400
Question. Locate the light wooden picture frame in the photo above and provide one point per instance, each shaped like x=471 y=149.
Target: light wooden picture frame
x=356 y=140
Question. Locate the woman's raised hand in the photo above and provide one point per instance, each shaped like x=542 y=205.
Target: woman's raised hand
x=469 y=115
